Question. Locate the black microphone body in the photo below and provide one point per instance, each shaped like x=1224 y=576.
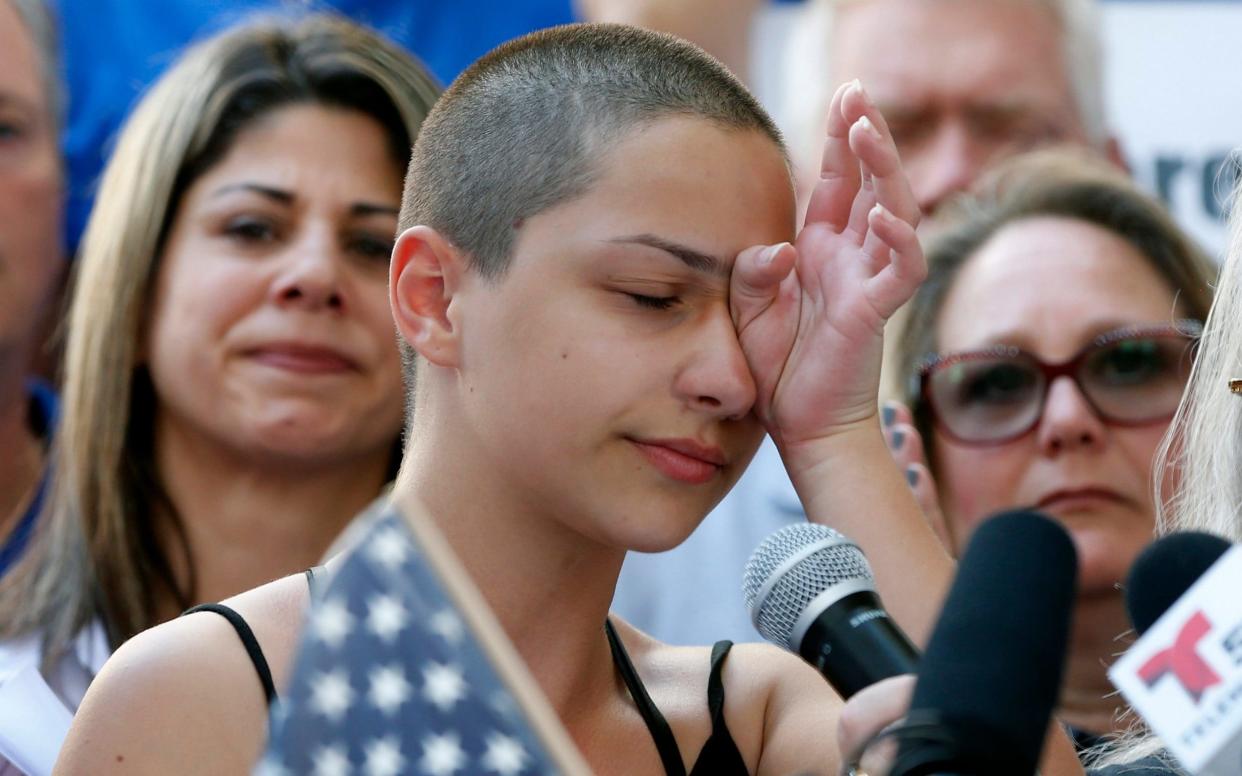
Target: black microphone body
x=1165 y=570
x=855 y=644
x=810 y=590
x=992 y=669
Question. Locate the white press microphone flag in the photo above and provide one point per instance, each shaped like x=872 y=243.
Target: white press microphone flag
x=1184 y=676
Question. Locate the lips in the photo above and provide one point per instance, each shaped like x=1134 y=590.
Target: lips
x=303 y=358
x=1071 y=498
x=684 y=460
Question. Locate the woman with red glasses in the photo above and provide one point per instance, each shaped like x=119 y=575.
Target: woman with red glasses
x=1043 y=359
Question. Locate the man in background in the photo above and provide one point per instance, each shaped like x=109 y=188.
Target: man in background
x=31 y=259
x=963 y=83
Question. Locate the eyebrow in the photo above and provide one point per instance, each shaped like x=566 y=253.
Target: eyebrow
x=1022 y=339
x=695 y=260
x=287 y=197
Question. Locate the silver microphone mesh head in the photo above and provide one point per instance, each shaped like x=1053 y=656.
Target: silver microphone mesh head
x=792 y=567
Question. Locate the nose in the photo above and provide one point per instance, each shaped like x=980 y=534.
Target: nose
x=715 y=379
x=1069 y=422
x=310 y=276
x=947 y=163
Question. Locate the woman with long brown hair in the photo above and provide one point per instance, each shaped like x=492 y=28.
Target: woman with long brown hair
x=232 y=395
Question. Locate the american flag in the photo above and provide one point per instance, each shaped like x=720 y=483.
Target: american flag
x=389 y=680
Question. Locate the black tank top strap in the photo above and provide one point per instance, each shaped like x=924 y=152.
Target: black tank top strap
x=661 y=733
x=310 y=578
x=253 y=650
x=720 y=754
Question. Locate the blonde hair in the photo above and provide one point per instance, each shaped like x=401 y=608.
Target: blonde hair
x=1201 y=452
x=100 y=551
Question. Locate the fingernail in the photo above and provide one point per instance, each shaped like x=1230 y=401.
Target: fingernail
x=887 y=414
x=912 y=476
x=767 y=256
x=879 y=211
x=898 y=438
x=868 y=127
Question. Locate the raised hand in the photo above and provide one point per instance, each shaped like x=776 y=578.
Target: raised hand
x=810 y=316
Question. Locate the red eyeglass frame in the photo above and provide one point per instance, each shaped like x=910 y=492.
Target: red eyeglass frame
x=1187 y=328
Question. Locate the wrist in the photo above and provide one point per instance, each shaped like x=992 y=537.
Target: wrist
x=816 y=459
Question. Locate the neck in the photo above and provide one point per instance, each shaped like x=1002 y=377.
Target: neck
x=549 y=586
x=248 y=522
x=1089 y=701
x=21 y=459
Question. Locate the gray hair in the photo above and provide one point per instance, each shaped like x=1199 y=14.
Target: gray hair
x=39 y=20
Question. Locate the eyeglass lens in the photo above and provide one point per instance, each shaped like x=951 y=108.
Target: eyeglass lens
x=1131 y=380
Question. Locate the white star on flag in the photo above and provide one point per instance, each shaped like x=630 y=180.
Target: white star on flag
x=442 y=755
x=446 y=624
x=331 y=761
x=331 y=694
x=388 y=549
x=504 y=755
x=443 y=685
x=332 y=622
x=389 y=688
x=268 y=766
x=386 y=616
x=384 y=757
x=390 y=680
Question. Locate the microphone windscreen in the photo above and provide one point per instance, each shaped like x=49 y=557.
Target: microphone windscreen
x=992 y=669
x=1165 y=570
x=792 y=567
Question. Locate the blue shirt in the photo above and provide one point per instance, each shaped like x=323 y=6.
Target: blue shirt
x=112 y=52
x=43 y=410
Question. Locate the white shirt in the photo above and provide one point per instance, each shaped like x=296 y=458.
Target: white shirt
x=35 y=710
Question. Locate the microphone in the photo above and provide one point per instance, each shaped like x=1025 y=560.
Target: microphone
x=992 y=669
x=1184 y=675
x=1165 y=570
x=809 y=589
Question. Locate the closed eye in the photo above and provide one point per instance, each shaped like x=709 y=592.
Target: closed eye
x=653 y=302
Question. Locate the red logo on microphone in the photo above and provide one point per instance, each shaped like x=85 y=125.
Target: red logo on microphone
x=1182 y=660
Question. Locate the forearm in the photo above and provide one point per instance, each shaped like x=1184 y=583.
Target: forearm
x=848 y=481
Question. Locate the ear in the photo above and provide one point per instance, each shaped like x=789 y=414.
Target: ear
x=425 y=274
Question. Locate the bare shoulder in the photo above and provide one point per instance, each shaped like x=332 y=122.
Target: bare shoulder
x=779 y=711
x=796 y=731
x=186 y=691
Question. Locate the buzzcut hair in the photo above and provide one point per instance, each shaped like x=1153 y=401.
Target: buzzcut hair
x=525 y=128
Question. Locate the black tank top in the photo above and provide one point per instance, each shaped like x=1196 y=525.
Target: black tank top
x=719 y=754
